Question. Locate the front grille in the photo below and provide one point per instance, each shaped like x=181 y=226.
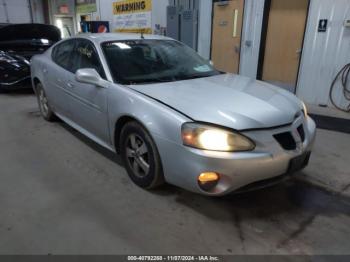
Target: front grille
x=286 y=141
x=301 y=132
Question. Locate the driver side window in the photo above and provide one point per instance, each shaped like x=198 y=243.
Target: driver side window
x=86 y=56
x=62 y=53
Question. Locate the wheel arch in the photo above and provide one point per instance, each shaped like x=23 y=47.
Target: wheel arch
x=119 y=124
x=36 y=81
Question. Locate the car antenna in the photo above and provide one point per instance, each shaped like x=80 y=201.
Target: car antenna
x=142 y=36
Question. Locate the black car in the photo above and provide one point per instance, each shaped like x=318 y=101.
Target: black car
x=18 y=43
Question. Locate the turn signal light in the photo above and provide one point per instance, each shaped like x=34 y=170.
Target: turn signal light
x=208 y=177
x=208 y=180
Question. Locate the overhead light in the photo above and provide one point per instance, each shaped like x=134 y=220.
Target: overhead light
x=122 y=45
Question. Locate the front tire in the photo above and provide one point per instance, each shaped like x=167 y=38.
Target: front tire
x=45 y=109
x=140 y=156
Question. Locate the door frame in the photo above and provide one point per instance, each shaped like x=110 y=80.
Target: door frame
x=265 y=23
x=212 y=27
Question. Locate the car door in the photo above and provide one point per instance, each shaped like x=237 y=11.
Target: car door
x=88 y=103
x=56 y=77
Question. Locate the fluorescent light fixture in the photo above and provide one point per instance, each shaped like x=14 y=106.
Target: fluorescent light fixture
x=122 y=45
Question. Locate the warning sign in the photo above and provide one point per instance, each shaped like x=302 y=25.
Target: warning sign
x=133 y=16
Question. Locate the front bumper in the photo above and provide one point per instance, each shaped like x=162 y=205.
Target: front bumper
x=182 y=165
x=21 y=83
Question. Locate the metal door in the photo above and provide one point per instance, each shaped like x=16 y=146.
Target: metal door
x=284 y=41
x=226 y=37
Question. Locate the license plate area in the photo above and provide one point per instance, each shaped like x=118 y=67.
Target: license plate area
x=298 y=163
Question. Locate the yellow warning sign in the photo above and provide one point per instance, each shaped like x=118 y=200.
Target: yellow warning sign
x=133 y=16
x=132 y=6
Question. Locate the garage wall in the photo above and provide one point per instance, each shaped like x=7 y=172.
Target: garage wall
x=205 y=28
x=20 y=11
x=105 y=12
x=324 y=54
x=15 y=11
x=3 y=15
x=38 y=11
x=251 y=35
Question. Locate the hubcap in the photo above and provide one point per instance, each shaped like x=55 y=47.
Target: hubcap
x=43 y=102
x=137 y=155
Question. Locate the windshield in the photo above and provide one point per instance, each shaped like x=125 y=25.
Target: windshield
x=147 y=61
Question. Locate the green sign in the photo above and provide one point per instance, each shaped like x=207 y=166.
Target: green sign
x=86 y=6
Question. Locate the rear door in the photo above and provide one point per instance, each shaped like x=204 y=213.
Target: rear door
x=56 y=77
x=88 y=102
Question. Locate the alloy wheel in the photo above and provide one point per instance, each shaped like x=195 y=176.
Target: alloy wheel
x=138 y=155
x=44 y=104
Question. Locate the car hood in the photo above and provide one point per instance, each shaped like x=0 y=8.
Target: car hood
x=228 y=100
x=27 y=40
x=14 y=32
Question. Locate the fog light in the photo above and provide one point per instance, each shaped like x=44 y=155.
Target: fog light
x=208 y=180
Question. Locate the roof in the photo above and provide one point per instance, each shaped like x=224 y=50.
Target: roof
x=106 y=37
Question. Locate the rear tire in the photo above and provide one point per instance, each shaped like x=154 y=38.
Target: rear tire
x=140 y=156
x=45 y=109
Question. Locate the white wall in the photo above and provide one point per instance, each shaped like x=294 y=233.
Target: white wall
x=324 y=53
x=15 y=11
x=251 y=35
x=18 y=11
x=38 y=11
x=159 y=12
x=204 y=28
x=106 y=11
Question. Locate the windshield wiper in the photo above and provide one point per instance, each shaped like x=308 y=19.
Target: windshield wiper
x=194 y=76
x=150 y=81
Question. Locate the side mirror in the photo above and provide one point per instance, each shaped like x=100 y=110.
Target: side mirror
x=89 y=76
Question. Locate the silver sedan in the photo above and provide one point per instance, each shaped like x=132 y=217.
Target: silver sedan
x=170 y=115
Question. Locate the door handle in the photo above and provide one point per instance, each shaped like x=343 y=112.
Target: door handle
x=70 y=85
x=235 y=23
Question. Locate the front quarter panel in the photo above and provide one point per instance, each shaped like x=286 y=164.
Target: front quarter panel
x=36 y=65
x=162 y=122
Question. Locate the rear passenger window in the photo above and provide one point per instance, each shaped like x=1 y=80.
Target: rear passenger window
x=62 y=53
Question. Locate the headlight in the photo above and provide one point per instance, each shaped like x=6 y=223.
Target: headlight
x=215 y=139
x=305 y=110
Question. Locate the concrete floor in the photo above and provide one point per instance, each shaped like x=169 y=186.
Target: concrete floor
x=62 y=194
